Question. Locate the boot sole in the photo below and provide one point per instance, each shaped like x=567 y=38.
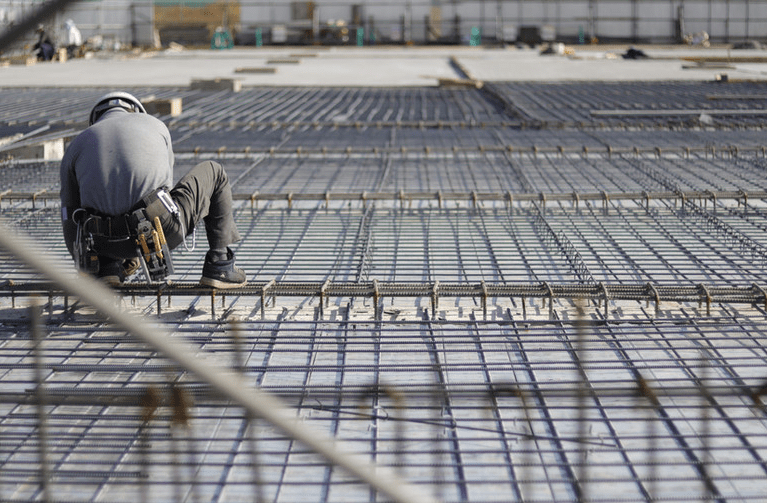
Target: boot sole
x=215 y=283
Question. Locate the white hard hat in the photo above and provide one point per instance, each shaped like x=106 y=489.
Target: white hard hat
x=116 y=99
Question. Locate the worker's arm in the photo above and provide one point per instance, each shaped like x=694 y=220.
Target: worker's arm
x=70 y=200
x=171 y=156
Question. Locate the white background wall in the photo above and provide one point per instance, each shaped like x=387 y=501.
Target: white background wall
x=652 y=21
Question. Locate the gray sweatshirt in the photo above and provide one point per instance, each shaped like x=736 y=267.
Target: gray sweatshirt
x=111 y=165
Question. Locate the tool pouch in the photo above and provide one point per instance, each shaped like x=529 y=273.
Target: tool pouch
x=152 y=249
x=136 y=233
x=85 y=255
x=151 y=245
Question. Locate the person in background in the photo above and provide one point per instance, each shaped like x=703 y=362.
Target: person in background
x=44 y=46
x=74 y=38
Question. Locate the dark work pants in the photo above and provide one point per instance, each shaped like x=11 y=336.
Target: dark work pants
x=203 y=194
x=45 y=52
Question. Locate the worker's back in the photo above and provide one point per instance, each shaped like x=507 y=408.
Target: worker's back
x=115 y=162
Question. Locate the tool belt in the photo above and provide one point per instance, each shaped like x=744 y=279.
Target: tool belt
x=138 y=233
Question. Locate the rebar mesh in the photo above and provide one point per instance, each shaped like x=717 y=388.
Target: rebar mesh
x=650 y=103
x=567 y=312
x=488 y=411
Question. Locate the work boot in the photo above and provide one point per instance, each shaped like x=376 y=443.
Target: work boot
x=222 y=273
x=115 y=272
x=111 y=272
x=131 y=266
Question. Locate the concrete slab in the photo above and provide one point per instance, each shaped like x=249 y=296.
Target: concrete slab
x=606 y=64
x=342 y=67
x=384 y=66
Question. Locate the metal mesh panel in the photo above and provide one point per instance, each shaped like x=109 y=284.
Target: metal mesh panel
x=571 y=312
x=479 y=410
x=650 y=103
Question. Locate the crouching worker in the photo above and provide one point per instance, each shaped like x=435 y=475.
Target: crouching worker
x=118 y=210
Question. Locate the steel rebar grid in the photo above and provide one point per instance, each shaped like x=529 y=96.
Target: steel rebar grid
x=255 y=402
x=551 y=103
x=599 y=294
x=620 y=244
x=522 y=104
x=475 y=198
x=479 y=410
x=537 y=172
x=593 y=233
x=497 y=378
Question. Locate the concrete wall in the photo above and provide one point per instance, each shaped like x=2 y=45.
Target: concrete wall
x=573 y=21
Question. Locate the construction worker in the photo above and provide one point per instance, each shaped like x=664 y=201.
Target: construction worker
x=74 y=39
x=44 y=47
x=115 y=179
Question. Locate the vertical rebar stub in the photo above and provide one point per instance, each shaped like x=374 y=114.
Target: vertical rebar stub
x=605 y=298
x=264 y=290
x=655 y=295
x=323 y=292
x=705 y=297
x=434 y=299
x=550 y=296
